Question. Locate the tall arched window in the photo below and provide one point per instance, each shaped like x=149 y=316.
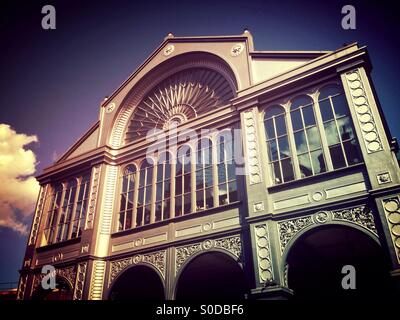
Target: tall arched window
x=67 y=209
x=226 y=168
x=279 y=152
x=143 y=215
x=338 y=127
x=204 y=175
x=81 y=207
x=66 y=212
x=125 y=218
x=52 y=214
x=163 y=187
x=183 y=180
x=307 y=137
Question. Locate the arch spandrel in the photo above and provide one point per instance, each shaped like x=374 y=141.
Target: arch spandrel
x=212 y=81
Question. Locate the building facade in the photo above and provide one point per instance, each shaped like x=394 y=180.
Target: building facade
x=216 y=170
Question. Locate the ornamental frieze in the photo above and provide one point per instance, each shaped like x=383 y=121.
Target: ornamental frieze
x=156 y=259
x=80 y=281
x=231 y=244
x=67 y=273
x=252 y=152
x=361 y=216
x=263 y=250
x=392 y=213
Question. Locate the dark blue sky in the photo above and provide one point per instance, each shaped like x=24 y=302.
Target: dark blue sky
x=52 y=82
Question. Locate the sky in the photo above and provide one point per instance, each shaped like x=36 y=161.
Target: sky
x=52 y=81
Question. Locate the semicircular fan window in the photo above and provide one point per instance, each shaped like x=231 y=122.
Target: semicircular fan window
x=175 y=100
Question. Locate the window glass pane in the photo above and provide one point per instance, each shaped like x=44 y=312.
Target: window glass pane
x=148 y=194
x=128 y=223
x=158 y=211
x=318 y=161
x=297 y=123
x=280 y=125
x=331 y=133
x=301 y=144
x=147 y=214
x=179 y=167
x=352 y=153
x=160 y=172
x=276 y=172
x=273 y=150
x=209 y=198
x=178 y=206
x=130 y=200
x=142 y=176
x=187 y=180
x=208 y=177
x=305 y=165
x=284 y=147
x=131 y=180
x=326 y=110
x=287 y=170
x=167 y=170
x=167 y=189
x=329 y=91
x=269 y=129
x=149 y=175
x=199 y=200
x=223 y=194
x=121 y=221
x=141 y=196
x=345 y=128
x=221 y=173
x=139 y=216
x=314 y=140
x=273 y=111
x=340 y=105
x=308 y=114
x=231 y=171
x=199 y=179
x=233 y=196
x=337 y=156
x=159 y=191
x=300 y=102
x=178 y=185
x=167 y=206
x=187 y=203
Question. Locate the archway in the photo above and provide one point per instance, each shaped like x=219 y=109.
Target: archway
x=211 y=276
x=138 y=283
x=317 y=258
x=62 y=291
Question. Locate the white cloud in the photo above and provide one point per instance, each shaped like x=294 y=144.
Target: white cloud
x=18 y=188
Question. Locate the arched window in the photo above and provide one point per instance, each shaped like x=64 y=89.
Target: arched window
x=163 y=187
x=52 y=214
x=226 y=168
x=143 y=215
x=81 y=207
x=66 y=212
x=279 y=152
x=338 y=127
x=204 y=175
x=183 y=180
x=307 y=137
x=67 y=209
x=125 y=218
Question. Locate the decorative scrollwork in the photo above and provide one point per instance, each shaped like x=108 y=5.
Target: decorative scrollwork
x=359 y=215
x=289 y=228
x=156 y=259
x=93 y=196
x=231 y=244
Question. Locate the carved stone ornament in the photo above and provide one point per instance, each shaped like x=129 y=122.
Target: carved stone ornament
x=94 y=186
x=361 y=216
x=253 y=159
x=231 y=244
x=80 y=281
x=22 y=287
x=38 y=214
x=156 y=259
x=392 y=212
x=263 y=250
x=67 y=273
x=365 y=117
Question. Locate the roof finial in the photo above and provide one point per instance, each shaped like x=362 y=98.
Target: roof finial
x=246 y=30
x=170 y=35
